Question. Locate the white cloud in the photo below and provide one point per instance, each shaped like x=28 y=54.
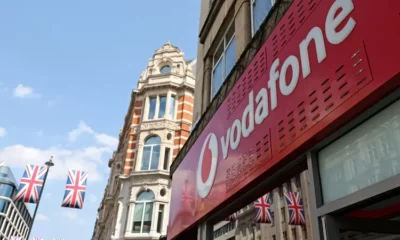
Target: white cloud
x=86 y=159
x=3 y=132
x=81 y=129
x=92 y=198
x=41 y=217
x=107 y=140
x=101 y=138
x=22 y=91
x=73 y=216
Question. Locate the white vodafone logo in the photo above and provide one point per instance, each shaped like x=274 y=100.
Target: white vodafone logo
x=204 y=188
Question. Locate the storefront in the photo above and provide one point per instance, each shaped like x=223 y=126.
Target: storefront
x=320 y=95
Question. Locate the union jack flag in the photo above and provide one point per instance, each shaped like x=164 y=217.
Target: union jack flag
x=263 y=209
x=232 y=217
x=75 y=189
x=295 y=207
x=37 y=238
x=31 y=184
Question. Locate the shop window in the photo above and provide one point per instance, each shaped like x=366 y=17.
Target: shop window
x=165 y=69
x=160 y=218
x=152 y=108
x=151 y=153
x=259 y=11
x=143 y=212
x=163 y=103
x=166 y=158
x=223 y=60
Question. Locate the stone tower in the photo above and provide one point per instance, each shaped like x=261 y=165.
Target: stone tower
x=158 y=123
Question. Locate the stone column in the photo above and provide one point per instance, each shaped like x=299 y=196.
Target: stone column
x=120 y=224
x=168 y=114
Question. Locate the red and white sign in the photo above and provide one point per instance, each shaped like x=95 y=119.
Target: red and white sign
x=325 y=62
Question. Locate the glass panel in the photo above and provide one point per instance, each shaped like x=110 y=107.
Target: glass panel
x=260 y=12
x=172 y=107
x=137 y=217
x=153 y=140
x=166 y=158
x=146 y=158
x=230 y=57
x=217 y=78
x=367 y=155
x=155 y=157
x=145 y=196
x=147 y=217
x=218 y=53
x=152 y=108
x=165 y=69
x=231 y=31
x=160 y=218
x=163 y=103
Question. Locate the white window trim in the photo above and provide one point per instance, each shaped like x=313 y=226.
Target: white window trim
x=252 y=2
x=167 y=114
x=222 y=58
x=151 y=155
x=143 y=211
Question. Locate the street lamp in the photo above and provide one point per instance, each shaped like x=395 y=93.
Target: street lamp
x=49 y=164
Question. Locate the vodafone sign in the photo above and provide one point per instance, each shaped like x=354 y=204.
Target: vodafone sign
x=324 y=63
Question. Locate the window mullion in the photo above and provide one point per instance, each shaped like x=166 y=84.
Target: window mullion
x=142 y=221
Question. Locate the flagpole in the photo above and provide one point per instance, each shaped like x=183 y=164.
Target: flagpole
x=49 y=164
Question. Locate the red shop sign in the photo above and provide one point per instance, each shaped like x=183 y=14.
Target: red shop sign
x=325 y=62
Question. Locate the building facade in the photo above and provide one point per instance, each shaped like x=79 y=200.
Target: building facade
x=293 y=96
x=157 y=124
x=15 y=219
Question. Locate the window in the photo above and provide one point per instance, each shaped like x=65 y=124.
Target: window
x=284 y=235
x=259 y=11
x=165 y=69
x=223 y=60
x=289 y=186
x=283 y=214
x=152 y=108
x=298 y=182
x=158 y=108
x=166 y=158
x=151 y=153
x=143 y=212
x=163 y=104
x=160 y=218
x=272 y=219
x=274 y=237
x=304 y=229
x=294 y=235
x=172 y=107
x=280 y=192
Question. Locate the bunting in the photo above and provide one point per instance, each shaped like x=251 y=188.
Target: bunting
x=263 y=209
x=295 y=208
x=75 y=189
x=31 y=184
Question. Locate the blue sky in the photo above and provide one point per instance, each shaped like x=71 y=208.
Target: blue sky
x=66 y=72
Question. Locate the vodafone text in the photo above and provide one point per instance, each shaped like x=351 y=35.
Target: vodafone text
x=266 y=100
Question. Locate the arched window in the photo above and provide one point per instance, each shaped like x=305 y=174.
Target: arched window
x=165 y=69
x=151 y=153
x=143 y=212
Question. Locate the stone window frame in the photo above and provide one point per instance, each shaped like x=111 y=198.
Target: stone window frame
x=152 y=201
x=252 y=6
x=168 y=107
x=225 y=44
x=151 y=154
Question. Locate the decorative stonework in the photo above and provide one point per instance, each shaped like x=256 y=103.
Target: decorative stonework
x=162 y=124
